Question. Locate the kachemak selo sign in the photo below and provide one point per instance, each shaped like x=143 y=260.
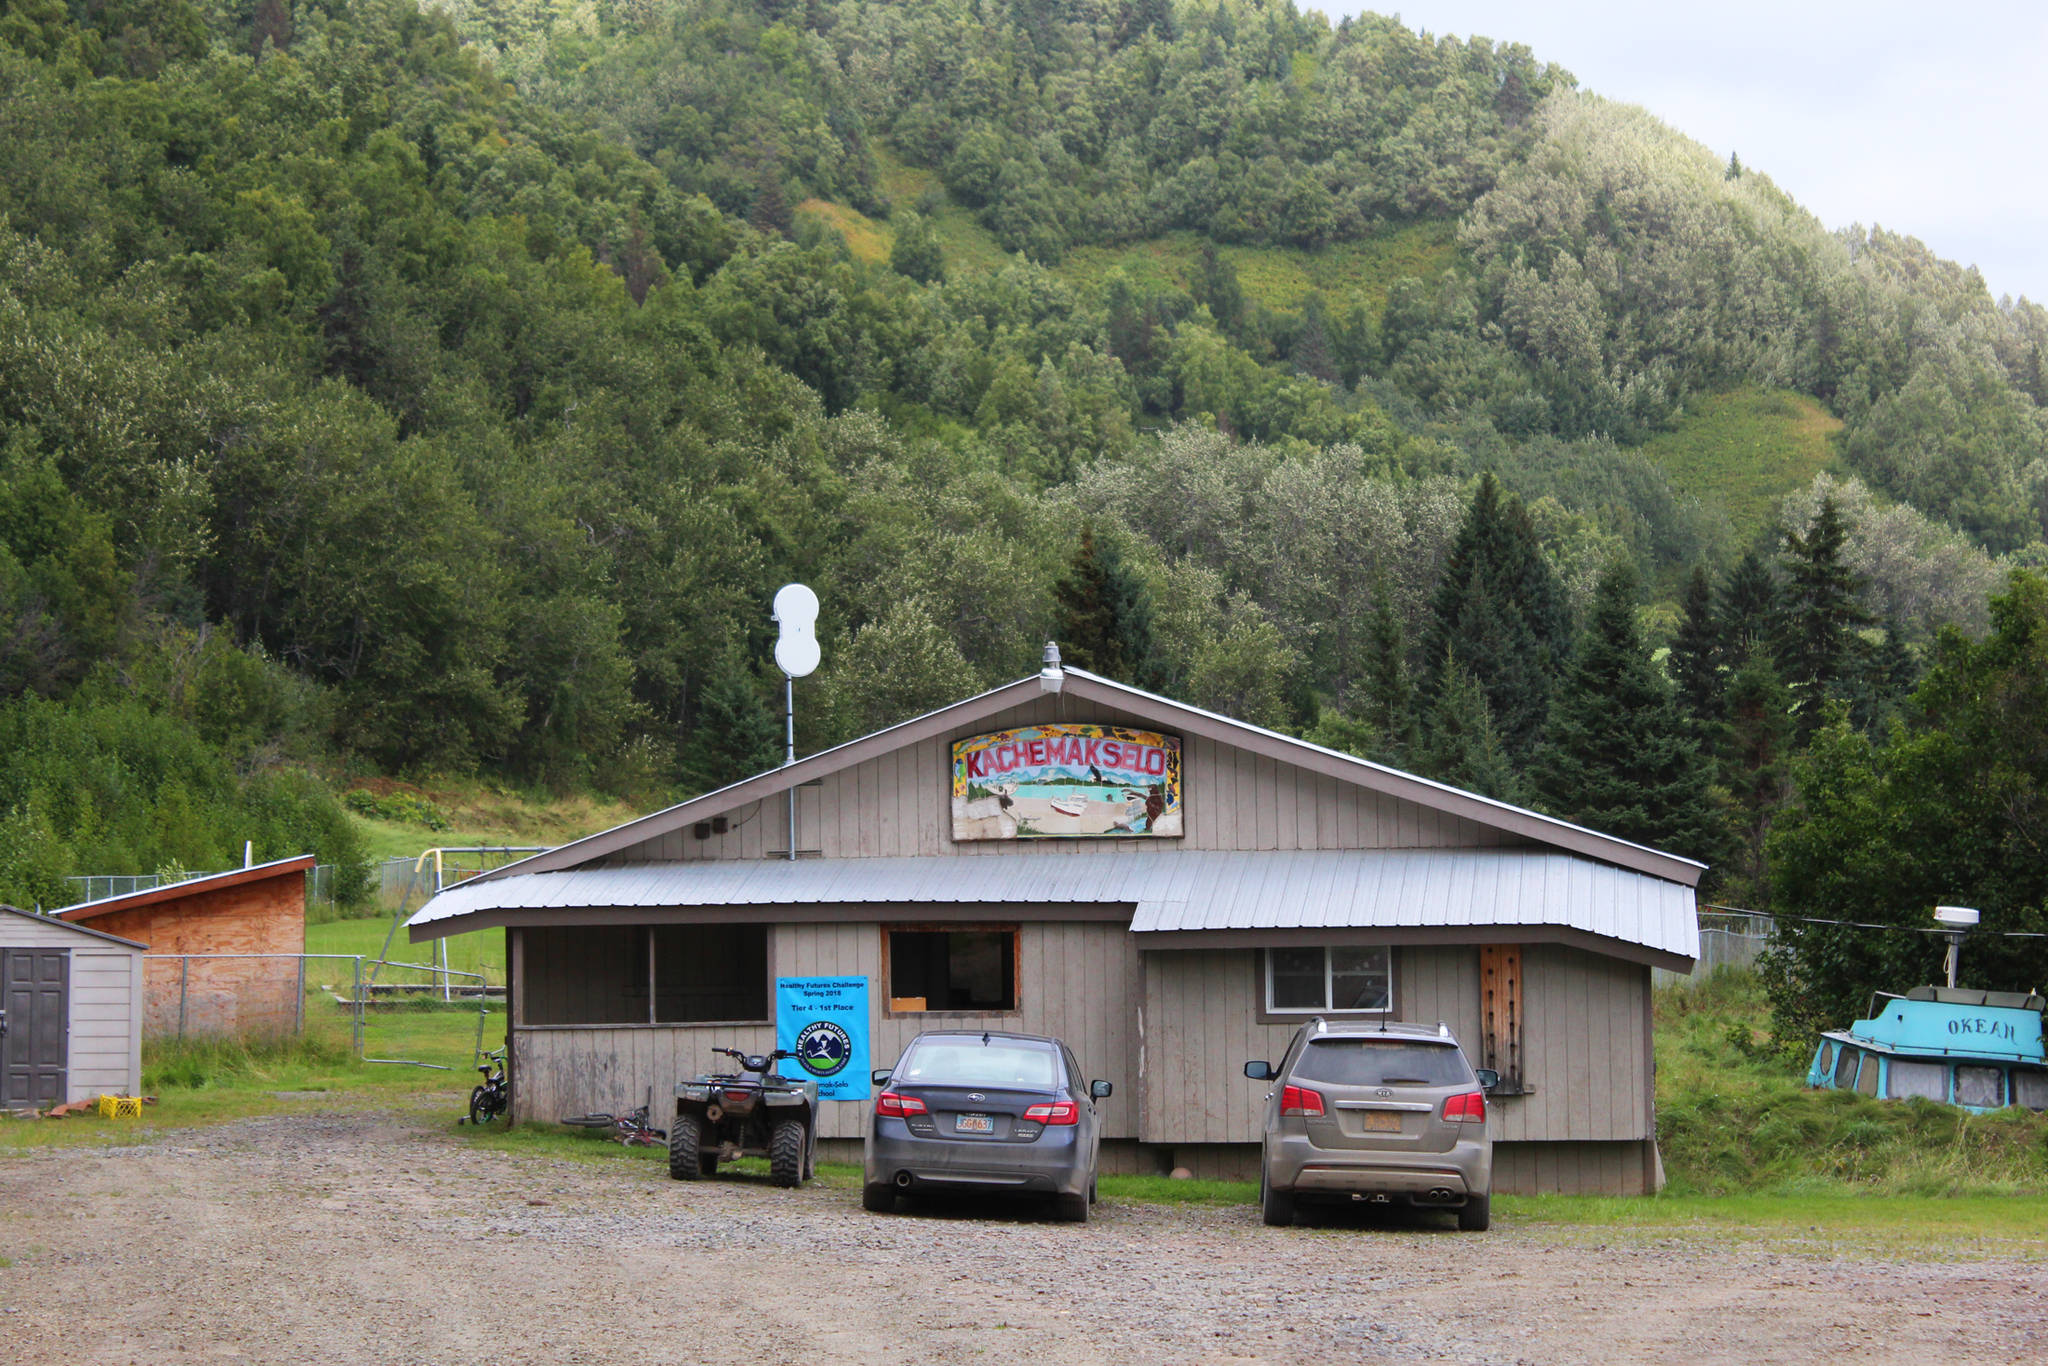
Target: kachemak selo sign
x=1069 y=780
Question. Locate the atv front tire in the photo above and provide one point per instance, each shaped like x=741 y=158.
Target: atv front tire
x=786 y=1153
x=685 y=1148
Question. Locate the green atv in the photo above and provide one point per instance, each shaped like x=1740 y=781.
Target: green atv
x=724 y=1116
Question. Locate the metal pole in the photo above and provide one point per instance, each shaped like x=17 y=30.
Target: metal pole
x=789 y=753
x=356 y=993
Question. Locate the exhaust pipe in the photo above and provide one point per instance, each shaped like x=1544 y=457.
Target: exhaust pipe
x=1442 y=1195
x=902 y=1180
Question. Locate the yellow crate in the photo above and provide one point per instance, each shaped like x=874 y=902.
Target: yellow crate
x=120 y=1107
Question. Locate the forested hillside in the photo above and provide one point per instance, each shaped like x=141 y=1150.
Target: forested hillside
x=386 y=390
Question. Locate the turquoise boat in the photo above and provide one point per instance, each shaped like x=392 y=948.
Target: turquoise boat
x=1980 y=1050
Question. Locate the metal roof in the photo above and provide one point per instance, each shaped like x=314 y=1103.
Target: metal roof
x=192 y=886
x=1169 y=891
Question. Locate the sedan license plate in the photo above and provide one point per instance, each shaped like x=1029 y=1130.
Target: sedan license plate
x=974 y=1124
x=1382 y=1122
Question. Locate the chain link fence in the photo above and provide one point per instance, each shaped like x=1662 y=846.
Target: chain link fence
x=1727 y=939
x=251 y=996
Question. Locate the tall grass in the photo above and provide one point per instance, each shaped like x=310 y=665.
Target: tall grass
x=1734 y=1116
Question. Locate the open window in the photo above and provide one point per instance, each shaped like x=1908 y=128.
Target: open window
x=945 y=969
x=1340 y=980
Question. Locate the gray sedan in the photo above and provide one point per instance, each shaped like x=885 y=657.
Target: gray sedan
x=974 y=1111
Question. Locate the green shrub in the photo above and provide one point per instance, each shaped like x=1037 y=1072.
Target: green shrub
x=406 y=808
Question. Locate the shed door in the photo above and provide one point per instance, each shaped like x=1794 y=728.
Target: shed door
x=37 y=1004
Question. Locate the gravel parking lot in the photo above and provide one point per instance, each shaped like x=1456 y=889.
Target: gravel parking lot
x=377 y=1238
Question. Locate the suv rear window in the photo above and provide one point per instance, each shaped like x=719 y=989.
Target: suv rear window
x=1383 y=1062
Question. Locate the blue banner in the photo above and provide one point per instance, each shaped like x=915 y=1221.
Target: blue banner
x=824 y=1021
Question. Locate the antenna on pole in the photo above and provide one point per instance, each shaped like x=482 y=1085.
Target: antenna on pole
x=796 y=654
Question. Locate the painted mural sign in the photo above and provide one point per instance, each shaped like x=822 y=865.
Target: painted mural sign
x=1065 y=781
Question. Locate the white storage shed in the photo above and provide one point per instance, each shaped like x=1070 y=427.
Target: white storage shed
x=70 y=1012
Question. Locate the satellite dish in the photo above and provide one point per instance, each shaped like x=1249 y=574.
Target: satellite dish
x=796 y=611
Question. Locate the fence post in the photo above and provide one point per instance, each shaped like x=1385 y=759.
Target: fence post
x=184 y=977
x=299 y=1006
x=356 y=993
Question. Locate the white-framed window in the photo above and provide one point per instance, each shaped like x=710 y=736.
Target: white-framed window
x=1340 y=980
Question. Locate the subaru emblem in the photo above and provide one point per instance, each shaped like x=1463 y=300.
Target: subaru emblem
x=976 y=1095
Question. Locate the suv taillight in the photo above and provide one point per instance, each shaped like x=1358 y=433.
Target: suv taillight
x=1469 y=1108
x=892 y=1104
x=1055 y=1112
x=1299 y=1100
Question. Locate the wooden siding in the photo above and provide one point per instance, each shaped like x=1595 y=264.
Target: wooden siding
x=900 y=804
x=1202 y=1024
x=1076 y=980
x=1585 y=1050
x=1617 y=1168
x=1199 y=1027
x=103 y=1054
x=1585 y=1040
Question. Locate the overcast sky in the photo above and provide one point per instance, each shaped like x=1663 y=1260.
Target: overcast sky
x=1931 y=119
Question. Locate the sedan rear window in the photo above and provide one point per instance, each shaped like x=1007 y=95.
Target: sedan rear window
x=972 y=1063
x=1383 y=1062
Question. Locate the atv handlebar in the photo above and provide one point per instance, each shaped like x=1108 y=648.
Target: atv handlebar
x=755 y=1062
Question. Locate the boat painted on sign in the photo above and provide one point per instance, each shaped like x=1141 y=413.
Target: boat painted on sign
x=1978 y=1050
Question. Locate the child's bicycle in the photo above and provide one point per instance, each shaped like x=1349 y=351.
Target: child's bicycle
x=491 y=1099
x=633 y=1129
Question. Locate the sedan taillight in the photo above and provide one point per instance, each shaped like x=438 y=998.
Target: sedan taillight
x=1469 y=1108
x=898 y=1106
x=1055 y=1112
x=1299 y=1100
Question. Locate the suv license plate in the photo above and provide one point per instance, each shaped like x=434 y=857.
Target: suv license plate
x=1382 y=1122
x=974 y=1124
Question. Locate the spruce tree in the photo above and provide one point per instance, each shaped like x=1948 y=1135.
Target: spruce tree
x=1619 y=758
x=1696 y=653
x=1460 y=744
x=1103 y=615
x=1389 y=697
x=738 y=732
x=1501 y=613
x=1818 y=647
x=1755 y=763
x=1748 y=609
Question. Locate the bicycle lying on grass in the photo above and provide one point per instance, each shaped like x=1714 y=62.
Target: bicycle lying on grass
x=633 y=1129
